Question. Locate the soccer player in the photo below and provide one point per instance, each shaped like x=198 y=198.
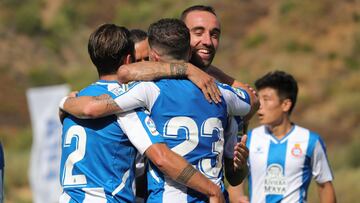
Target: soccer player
x=284 y=157
x=191 y=126
x=205 y=34
x=139 y=37
x=98 y=155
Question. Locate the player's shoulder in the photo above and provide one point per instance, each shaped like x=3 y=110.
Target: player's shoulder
x=302 y=130
x=260 y=130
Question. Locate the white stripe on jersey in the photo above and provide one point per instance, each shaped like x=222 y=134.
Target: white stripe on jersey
x=94 y=195
x=173 y=189
x=134 y=129
x=122 y=184
x=64 y=198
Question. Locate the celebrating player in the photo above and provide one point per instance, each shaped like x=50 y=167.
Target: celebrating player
x=97 y=163
x=191 y=126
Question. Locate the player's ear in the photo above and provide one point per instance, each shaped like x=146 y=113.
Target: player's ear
x=153 y=55
x=128 y=59
x=286 y=105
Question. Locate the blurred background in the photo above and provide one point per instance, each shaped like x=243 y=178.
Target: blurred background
x=44 y=42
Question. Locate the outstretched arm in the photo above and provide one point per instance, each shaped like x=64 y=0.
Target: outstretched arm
x=90 y=106
x=182 y=172
x=226 y=79
x=220 y=75
x=148 y=70
x=326 y=192
x=236 y=169
x=237 y=194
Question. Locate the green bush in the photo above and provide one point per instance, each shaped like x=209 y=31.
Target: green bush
x=255 y=40
x=353 y=153
x=295 y=46
x=41 y=76
x=27 y=18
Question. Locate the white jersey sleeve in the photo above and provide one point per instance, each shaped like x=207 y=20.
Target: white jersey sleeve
x=237 y=100
x=142 y=94
x=140 y=129
x=320 y=166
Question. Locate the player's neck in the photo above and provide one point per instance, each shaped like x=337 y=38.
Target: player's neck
x=281 y=129
x=110 y=77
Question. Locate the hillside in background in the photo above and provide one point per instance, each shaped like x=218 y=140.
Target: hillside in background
x=44 y=42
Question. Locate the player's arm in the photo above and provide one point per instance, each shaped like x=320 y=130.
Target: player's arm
x=140 y=95
x=220 y=75
x=182 y=172
x=235 y=154
x=236 y=169
x=237 y=193
x=322 y=173
x=148 y=70
x=90 y=106
x=226 y=79
x=326 y=192
x=142 y=133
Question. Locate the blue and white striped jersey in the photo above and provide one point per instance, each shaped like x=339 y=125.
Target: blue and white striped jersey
x=98 y=155
x=191 y=126
x=281 y=170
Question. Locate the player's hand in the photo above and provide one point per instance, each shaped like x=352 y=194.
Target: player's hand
x=205 y=82
x=241 y=153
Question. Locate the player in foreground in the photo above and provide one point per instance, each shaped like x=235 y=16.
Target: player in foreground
x=191 y=126
x=97 y=163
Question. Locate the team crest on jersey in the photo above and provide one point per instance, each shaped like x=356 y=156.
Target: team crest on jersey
x=275 y=182
x=296 y=150
x=151 y=126
x=239 y=92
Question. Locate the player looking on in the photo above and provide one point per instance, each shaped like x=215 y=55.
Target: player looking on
x=191 y=126
x=284 y=157
x=98 y=155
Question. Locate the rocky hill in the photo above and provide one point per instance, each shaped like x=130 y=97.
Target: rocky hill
x=43 y=42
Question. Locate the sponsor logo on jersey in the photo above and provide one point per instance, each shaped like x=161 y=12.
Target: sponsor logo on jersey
x=296 y=150
x=258 y=150
x=151 y=126
x=239 y=92
x=275 y=182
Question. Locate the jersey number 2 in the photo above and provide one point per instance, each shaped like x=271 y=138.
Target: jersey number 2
x=68 y=178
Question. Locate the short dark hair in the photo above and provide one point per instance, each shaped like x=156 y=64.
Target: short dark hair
x=170 y=37
x=197 y=8
x=137 y=35
x=284 y=83
x=108 y=45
